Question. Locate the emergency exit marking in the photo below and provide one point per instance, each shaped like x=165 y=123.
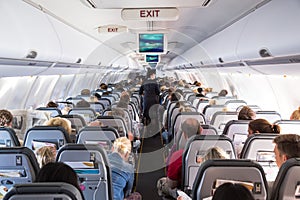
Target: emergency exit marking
x=149 y=13
x=112 y=29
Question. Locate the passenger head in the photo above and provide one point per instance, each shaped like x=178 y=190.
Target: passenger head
x=95 y=123
x=262 y=126
x=45 y=155
x=122 y=145
x=6 y=118
x=215 y=153
x=58 y=172
x=62 y=122
x=232 y=191
x=199 y=90
x=52 y=104
x=246 y=113
x=85 y=92
x=191 y=127
x=83 y=104
x=223 y=93
x=286 y=146
x=295 y=115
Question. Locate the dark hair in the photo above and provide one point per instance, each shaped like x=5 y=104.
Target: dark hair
x=263 y=126
x=288 y=144
x=199 y=90
x=5 y=118
x=246 y=113
x=191 y=127
x=232 y=191
x=223 y=93
x=51 y=104
x=83 y=104
x=58 y=172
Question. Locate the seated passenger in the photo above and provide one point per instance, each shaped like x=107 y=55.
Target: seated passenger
x=51 y=104
x=211 y=153
x=232 y=191
x=223 y=93
x=246 y=113
x=6 y=118
x=200 y=94
x=190 y=127
x=45 y=154
x=62 y=122
x=58 y=172
x=262 y=126
x=295 y=115
x=83 y=104
x=122 y=171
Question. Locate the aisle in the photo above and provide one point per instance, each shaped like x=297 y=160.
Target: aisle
x=150 y=166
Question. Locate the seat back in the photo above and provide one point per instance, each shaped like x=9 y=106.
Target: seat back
x=235 y=128
x=106 y=102
x=232 y=105
x=287 y=180
x=289 y=126
x=53 y=111
x=45 y=191
x=259 y=147
x=208 y=130
x=103 y=136
x=220 y=119
x=8 y=137
x=39 y=136
x=88 y=114
x=271 y=116
x=17 y=165
x=209 y=110
x=97 y=106
x=77 y=121
x=197 y=146
x=115 y=122
x=74 y=100
x=229 y=169
x=91 y=165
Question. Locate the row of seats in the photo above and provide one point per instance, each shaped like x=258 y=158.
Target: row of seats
x=19 y=165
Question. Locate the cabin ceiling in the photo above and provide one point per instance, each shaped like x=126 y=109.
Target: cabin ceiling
x=195 y=22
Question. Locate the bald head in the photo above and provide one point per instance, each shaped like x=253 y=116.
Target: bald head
x=191 y=127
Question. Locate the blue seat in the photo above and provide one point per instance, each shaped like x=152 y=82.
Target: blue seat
x=17 y=165
x=45 y=191
x=8 y=137
x=91 y=164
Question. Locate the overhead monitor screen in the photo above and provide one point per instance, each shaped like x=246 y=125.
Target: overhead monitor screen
x=152 y=58
x=151 y=42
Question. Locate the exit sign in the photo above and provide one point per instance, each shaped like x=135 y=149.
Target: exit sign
x=150 y=14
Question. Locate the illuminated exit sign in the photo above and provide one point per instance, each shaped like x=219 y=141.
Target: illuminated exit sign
x=150 y=14
x=112 y=29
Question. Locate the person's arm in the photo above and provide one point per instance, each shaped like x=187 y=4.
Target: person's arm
x=129 y=185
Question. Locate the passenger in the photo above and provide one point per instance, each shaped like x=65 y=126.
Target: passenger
x=95 y=97
x=211 y=153
x=232 y=191
x=96 y=123
x=6 y=118
x=295 y=115
x=85 y=92
x=262 y=126
x=190 y=127
x=200 y=94
x=58 y=172
x=223 y=93
x=83 y=104
x=52 y=104
x=246 y=113
x=286 y=146
x=150 y=92
x=45 y=154
x=122 y=171
x=62 y=122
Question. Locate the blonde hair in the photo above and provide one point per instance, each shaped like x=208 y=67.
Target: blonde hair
x=295 y=115
x=45 y=155
x=122 y=145
x=215 y=153
x=62 y=122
